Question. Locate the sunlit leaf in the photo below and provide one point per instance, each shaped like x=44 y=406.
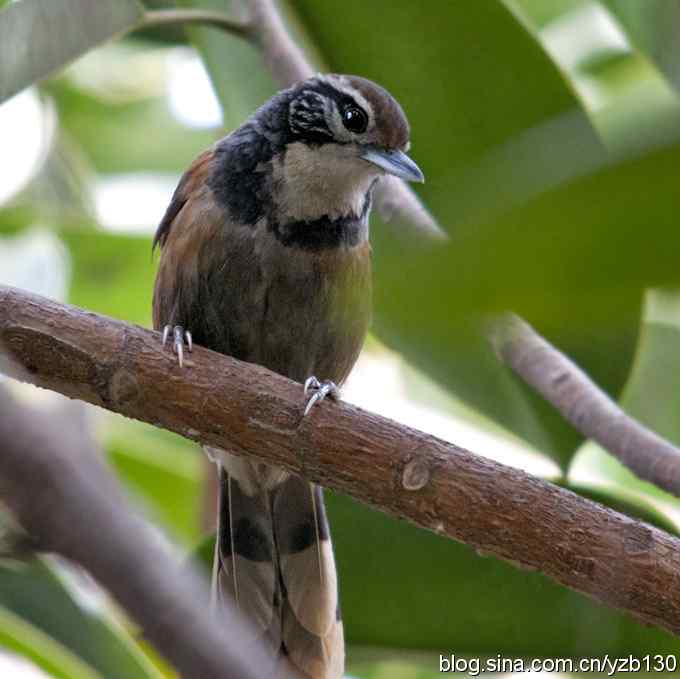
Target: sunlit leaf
x=653 y=26
x=18 y=636
x=630 y=101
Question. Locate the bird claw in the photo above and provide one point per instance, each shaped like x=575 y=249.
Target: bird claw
x=321 y=390
x=179 y=337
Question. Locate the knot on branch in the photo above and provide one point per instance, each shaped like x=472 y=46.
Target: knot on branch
x=416 y=475
x=123 y=387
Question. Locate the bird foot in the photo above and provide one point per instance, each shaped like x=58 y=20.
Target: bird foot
x=179 y=337
x=320 y=391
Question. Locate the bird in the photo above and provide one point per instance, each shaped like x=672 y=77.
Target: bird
x=265 y=256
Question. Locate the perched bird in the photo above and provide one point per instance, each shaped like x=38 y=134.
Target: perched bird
x=265 y=256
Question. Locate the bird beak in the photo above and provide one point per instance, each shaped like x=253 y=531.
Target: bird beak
x=394 y=162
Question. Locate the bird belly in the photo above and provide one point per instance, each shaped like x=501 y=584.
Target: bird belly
x=316 y=313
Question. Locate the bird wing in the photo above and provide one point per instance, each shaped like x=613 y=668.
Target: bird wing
x=191 y=183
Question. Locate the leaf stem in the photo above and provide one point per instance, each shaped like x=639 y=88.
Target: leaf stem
x=170 y=17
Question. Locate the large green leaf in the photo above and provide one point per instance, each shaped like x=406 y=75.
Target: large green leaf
x=18 y=636
x=37 y=38
x=630 y=102
x=633 y=107
x=112 y=274
x=36 y=595
x=653 y=26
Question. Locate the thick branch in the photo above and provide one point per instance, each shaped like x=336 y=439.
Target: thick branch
x=561 y=382
x=288 y=64
x=246 y=409
x=68 y=503
x=173 y=17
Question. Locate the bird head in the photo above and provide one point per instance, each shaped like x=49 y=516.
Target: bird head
x=313 y=152
x=332 y=137
x=354 y=120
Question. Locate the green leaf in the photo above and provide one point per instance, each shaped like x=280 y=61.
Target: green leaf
x=36 y=595
x=653 y=27
x=38 y=38
x=630 y=102
x=18 y=636
x=112 y=274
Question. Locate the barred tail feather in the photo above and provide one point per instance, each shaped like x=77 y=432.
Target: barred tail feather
x=312 y=627
x=274 y=558
x=246 y=571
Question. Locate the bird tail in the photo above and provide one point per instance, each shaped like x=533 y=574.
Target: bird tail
x=274 y=558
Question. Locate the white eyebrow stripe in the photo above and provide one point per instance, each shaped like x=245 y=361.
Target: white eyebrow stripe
x=340 y=83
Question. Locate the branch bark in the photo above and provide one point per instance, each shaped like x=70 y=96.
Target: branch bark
x=68 y=503
x=563 y=384
x=222 y=402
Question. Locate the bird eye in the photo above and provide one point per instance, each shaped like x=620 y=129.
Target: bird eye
x=354 y=119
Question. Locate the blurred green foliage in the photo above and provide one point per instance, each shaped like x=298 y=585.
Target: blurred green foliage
x=548 y=132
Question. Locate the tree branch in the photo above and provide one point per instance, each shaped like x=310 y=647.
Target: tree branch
x=222 y=402
x=288 y=64
x=562 y=383
x=173 y=17
x=68 y=503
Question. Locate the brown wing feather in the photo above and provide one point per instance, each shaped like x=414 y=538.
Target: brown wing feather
x=192 y=180
x=192 y=220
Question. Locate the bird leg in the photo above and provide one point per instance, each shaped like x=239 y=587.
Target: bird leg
x=320 y=391
x=180 y=335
